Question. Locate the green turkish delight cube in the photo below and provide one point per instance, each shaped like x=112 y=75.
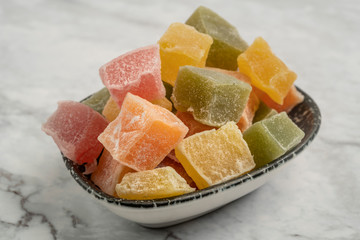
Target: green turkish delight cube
x=214 y=98
x=272 y=137
x=227 y=45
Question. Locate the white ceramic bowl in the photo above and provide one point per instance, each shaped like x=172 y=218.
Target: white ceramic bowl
x=170 y=211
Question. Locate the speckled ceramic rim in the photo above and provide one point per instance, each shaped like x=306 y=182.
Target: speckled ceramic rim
x=306 y=115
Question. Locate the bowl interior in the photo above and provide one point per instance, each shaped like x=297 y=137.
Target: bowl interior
x=306 y=115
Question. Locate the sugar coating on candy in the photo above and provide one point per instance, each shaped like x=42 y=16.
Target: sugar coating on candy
x=214 y=156
x=152 y=184
x=168 y=162
x=267 y=72
x=74 y=128
x=292 y=98
x=193 y=125
x=179 y=46
x=227 y=43
x=272 y=137
x=252 y=104
x=137 y=72
x=108 y=173
x=98 y=100
x=214 y=98
x=142 y=134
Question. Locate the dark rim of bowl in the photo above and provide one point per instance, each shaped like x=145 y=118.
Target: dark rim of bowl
x=309 y=123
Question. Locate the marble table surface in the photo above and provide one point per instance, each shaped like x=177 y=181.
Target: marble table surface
x=51 y=51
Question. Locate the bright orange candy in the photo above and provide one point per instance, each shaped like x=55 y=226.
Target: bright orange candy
x=108 y=173
x=267 y=72
x=142 y=134
x=182 y=45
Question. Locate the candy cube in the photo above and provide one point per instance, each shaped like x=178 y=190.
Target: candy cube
x=182 y=45
x=215 y=156
x=74 y=128
x=168 y=162
x=252 y=104
x=214 y=98
x=293 y=98
x=263 y=112
x=142 y=134
x=272 y=137
x=193 y=125
x=267 y=72
x=108 y=173
x=152 y=184
x=137 y=72
x=98 y=100
x=227 y=43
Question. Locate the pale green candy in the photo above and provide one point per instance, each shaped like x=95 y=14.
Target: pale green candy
x=263 y=112
x=272 y=137
x=98 y=100
x=214 y=98
x=227 y=45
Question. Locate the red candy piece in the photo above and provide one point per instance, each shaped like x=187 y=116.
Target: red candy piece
x=74 y=128
x=137 y=72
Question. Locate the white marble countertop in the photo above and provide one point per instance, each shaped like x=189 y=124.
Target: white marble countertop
x=51 y=51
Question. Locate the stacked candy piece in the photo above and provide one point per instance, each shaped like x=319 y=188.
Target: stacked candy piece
x=196 y=109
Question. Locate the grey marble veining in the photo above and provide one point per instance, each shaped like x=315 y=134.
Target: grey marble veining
x=51 y=50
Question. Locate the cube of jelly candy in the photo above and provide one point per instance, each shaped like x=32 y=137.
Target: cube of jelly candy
x=152 y=184
x=227 y=43
x=108 y=173
x=263 y=112
x=142 y=134
x=272 y=137
x=193 y=125
x=168 y=162
x=292 y=98
x=98 y=100
x=252 y=104
x=75 y=128
x=215 y=156
x=182 y=45
x=214 y=98
x=137 y=72
x=267 y=72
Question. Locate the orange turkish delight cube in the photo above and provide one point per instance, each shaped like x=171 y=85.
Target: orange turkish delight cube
x=142 y=134
x=267 y=71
